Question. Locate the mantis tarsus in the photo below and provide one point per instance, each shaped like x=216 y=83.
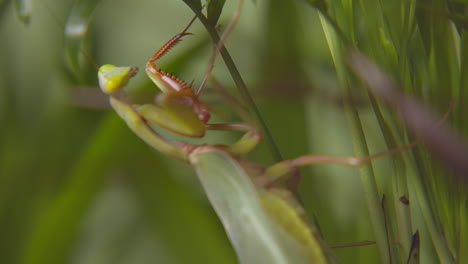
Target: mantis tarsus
x=262 y=218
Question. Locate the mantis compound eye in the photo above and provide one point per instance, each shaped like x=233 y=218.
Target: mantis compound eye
x=203 y=114
x=113 y=78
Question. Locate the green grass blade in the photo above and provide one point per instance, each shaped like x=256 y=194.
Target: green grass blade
x=413 y=256
x=214 y=9
x=242 y=87
x=359 y=143
x=76 y=38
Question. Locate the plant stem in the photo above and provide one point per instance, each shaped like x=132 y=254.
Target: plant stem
x=239 y=81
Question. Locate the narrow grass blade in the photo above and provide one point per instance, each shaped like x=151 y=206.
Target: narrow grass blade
x=214 y=9
x=413 y=257
x=76 y=33
x=443 y=141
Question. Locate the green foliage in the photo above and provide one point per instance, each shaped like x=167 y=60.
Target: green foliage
x=214 y=9
x=76 y=37
x=194 y=4
x=23 y=10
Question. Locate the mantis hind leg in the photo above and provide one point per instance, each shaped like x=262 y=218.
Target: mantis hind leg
x=246 y=143
x=287 y=167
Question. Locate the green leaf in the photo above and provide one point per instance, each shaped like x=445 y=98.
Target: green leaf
x=194 y=4
x=76 y=31
x=319 y=4
x=214 y=9
x=23 y=10
x=413 y=257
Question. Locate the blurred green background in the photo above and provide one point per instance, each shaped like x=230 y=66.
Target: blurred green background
x=76 y=186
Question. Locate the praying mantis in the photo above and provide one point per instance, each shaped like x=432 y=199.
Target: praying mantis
x=263 y=219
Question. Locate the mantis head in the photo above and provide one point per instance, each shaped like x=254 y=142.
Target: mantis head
x=178 y=111
x=113 y=78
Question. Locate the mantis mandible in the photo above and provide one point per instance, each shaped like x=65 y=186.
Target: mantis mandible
x=264 y=221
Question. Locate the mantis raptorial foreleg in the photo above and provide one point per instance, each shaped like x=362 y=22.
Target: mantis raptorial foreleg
x=177 y=109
